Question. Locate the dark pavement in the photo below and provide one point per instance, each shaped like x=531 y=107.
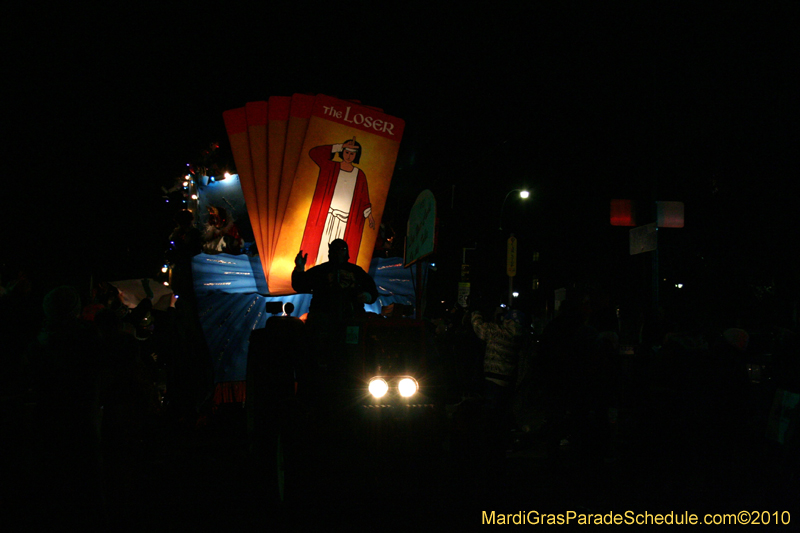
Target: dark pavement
x=204 y=476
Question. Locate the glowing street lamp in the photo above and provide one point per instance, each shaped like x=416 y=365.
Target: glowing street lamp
x=511 y=256
x=524 y=194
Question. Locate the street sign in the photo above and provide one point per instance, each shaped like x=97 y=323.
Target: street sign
x=463 y=293
x=421 y=229
x=644 y=239
x=622 y=213
x=628 y=212
x=669 y=214
x=511 y=257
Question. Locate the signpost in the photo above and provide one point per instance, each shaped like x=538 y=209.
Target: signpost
x=511 y=266
x=625 y=212
x=463 y=285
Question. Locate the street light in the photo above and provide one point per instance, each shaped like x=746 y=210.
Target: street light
x=522 y=194
x=512 y=246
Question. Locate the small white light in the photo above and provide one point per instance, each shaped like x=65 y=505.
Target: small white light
x=407 y=387
x=679 y=285
x=524 y=194
x=185 y=183
x=166 y=283
x=165 y=268
x=378 y=387
x=227 y=175
x=515 y=294
x=194 y=197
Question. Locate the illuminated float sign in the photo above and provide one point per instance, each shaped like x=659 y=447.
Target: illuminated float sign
x=329 y=163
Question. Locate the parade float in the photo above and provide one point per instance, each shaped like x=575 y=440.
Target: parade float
x=309 y=169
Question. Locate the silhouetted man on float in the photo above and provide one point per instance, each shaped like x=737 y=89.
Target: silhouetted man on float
x=340 y=289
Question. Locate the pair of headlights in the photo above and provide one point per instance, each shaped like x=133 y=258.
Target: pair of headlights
x=406 y=387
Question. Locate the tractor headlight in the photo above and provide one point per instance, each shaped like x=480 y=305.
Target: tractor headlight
x=378 y=387
x=407 y=387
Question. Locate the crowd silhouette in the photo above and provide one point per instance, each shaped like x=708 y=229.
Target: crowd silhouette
x=707 y=409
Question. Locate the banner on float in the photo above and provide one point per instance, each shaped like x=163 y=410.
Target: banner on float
x=340 y=186
x=312 y=169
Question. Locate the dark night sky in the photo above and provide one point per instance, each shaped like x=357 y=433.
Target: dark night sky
x=578 y=102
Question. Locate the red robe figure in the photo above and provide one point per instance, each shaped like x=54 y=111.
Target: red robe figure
x=340 y=203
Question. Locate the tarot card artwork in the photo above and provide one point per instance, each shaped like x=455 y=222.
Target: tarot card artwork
x=299 y=115
x=340 y=187
x=276 y=128
x=236 y=126
x=257 y=113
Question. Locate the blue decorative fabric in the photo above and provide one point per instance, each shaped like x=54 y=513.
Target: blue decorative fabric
x=232 y=296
